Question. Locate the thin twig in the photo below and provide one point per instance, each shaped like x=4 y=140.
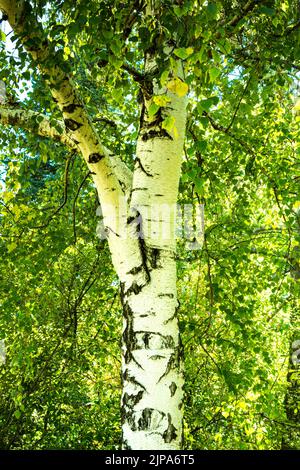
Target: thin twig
x=74 y=204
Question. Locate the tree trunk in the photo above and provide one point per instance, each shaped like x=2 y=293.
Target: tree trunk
x=291 y=436
x=152 y=368
x=152 y=359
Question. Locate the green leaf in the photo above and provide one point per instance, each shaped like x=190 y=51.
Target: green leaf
x=183 y=53
x=177 y=86
x=17 y=414
x=169 y=125
x=206 y=104
x=212 y=10
x=267 y=11
x=11 y=247
x=164 y=77
x=152 y=110
x=115 y=47
x=161 y=100
x=108 y=34
x=117 y=94
x=214 y=73
x=115 y=61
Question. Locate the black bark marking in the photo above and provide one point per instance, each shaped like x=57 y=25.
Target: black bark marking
x=154 y=257
x=152 y=134
x=127 y=377
x=166 y=295
x=125 y=445
x=171 y=318
x=143 y=251
x=135 y=288
x=131 y=400
x=142 y=167
x=135 y=270
x=95 y=157
x=145 y=421
x=144 y=315
x=72 y=124
x=173 y=363
x=180 y=349
x=108 y=229
x=128 y=336
x=137 y=219
x=127 y=416
x=173 y=388
x=122 y=185
x=168 y=342
x=146 y=339
x=130 y=220
x=143 y=340
x=156 y=357
x=71 y=108
x=170 y=433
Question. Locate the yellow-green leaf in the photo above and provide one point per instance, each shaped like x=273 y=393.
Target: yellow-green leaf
x=161 y=100
x=152 y=110
x=177 y=86
x=183 y=52
x=214 y=73
x=169 y=125
x=11 y=247
x=164 y=77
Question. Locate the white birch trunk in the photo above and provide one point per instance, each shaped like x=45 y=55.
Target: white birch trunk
x=152 y=360
x=152 y=372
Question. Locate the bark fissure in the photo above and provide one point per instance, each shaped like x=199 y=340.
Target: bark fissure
x=143 y=169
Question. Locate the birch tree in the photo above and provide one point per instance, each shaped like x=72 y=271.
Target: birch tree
x=176 y=48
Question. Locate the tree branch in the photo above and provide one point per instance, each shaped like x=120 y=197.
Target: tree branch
x=65 y=199
x=36 y=123
x=238 y=105
x=76 y=119
x=74 y=205
x=249 y=6
x=40 y=124
x=138 y=76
